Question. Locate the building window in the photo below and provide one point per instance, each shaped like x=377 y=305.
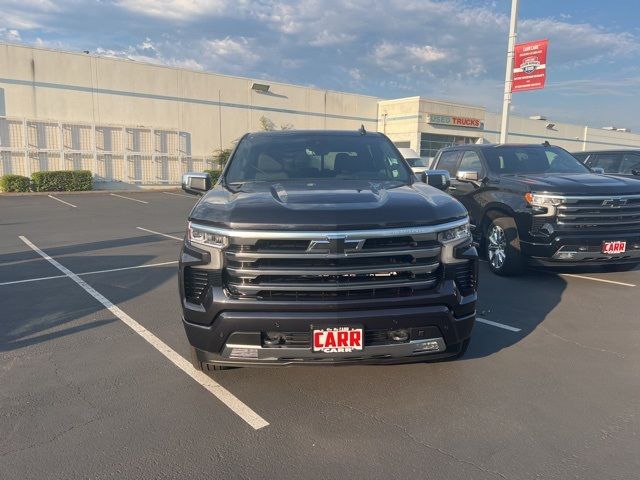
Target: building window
x=430 y=143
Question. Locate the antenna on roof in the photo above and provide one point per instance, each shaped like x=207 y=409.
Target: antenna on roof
x=546 y=143
x=362 y=130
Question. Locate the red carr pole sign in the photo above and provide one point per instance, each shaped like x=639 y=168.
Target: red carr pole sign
x=530 y=66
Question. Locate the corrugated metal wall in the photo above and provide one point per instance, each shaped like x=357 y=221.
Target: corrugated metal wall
x=143 y=155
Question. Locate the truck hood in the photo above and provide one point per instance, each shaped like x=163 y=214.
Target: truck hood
x=577 y=184
x=326 y=205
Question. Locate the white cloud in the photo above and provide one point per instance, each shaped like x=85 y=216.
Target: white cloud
x=10 y=35
x=355 y=74
x=177 y=9
x=401 y=58
x=234 y=52
x=325 y=38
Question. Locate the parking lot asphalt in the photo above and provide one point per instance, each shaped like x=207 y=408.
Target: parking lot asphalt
x=549 y=388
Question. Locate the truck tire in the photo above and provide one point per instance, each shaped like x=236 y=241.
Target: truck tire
x=502 y=247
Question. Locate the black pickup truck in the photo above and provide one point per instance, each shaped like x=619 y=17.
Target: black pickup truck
x=322 y=247
x=539 y=204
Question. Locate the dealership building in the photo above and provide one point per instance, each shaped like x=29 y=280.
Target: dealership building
x=143 y=123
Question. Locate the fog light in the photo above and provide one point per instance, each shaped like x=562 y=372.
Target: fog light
x=565 y=255
x=430 y=346
x=401 y=335
x=273 y=338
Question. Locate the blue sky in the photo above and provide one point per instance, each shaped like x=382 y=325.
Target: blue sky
x=451 y=49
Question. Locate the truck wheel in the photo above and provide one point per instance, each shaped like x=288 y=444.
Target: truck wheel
x=502 y=246
x=204 y=367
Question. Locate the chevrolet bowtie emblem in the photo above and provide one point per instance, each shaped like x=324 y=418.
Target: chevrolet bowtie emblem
x=614 y=202
x=335 y=245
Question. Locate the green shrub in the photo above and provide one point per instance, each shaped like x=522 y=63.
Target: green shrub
x=214 y=174
x=14 y=183
x=62 y=180
x=222 y=156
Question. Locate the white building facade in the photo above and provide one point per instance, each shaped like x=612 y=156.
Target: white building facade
x=143 y=123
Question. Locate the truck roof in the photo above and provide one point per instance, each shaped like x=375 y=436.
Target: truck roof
x=306 y=133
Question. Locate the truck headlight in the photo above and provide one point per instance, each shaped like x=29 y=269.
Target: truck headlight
x=543 y=200
x=203 y=237
x=450 y=239
x=463 y=232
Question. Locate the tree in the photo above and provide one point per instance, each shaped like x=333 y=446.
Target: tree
x=222 y=156
x=266 y=124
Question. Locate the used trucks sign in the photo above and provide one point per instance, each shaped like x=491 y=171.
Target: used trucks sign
x=530 y=66
x=453 y=121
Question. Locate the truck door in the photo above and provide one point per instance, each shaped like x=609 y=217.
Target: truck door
x=466 y=181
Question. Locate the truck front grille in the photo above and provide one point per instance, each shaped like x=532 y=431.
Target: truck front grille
x=620 y=213
x=328 y=268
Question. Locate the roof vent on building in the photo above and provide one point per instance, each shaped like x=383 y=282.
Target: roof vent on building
x=537 y=117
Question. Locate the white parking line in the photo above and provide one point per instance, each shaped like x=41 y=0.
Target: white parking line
x=159 y=233
x=127 y=198
x=595 y=279
x=31 y=280
x=221 y=393
x=90 y=273
x=496 y=324
x=180 y=195
x=62 y=201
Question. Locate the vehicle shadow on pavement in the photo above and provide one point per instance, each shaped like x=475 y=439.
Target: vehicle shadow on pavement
x=522 y=302
x=38 y=312
x=27 y=255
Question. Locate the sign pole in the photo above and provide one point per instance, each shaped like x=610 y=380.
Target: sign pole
x=508 y=78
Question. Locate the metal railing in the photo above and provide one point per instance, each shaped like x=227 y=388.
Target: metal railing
x=114 y=153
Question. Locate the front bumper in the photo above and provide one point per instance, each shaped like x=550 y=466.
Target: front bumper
x=442 y=333
x=577 y=250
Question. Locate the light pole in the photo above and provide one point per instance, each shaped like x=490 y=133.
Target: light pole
x=508 y=77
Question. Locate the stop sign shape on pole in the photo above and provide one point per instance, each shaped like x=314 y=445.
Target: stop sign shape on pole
x=530 y=66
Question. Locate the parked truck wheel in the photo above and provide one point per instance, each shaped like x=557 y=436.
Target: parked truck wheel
x=502 y=246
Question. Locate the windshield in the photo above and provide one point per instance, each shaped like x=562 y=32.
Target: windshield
x=532 y=159
x=417 y=162
x=315 y=156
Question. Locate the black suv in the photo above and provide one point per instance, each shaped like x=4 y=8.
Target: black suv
x=537 y=203
x=322 y=247
x=613 y=162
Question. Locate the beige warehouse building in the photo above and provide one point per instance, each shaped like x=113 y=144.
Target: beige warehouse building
x=136 y=122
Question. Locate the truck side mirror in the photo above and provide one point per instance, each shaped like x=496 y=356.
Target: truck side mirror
x=467 y=176
x=439 y=179
x=598 y=170
x=196 y=183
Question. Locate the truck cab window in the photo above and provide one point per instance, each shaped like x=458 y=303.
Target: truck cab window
x=470 y=163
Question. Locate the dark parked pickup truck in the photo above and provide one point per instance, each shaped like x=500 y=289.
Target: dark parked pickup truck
x=322 y=247
x=537 y=203
x=613 y=162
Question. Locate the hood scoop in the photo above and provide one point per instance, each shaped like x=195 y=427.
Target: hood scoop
x=310 y=195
